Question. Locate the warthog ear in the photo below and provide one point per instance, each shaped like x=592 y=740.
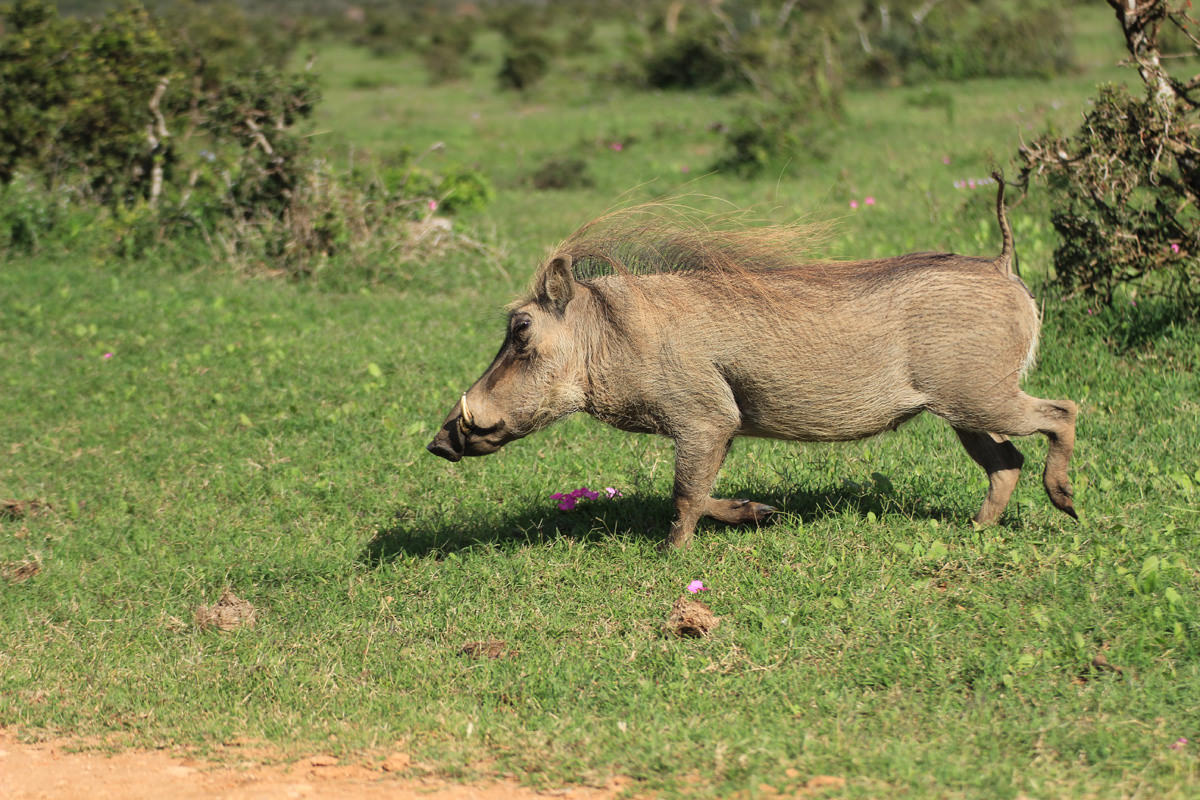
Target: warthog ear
x=556 y=284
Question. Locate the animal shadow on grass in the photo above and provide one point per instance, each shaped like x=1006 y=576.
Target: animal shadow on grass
x=638 y=517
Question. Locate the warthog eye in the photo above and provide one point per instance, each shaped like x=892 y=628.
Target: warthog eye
x=519 y=329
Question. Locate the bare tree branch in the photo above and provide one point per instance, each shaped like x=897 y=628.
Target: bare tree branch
x=157 y=135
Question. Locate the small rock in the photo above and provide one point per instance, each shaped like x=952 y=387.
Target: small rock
x=396 y=762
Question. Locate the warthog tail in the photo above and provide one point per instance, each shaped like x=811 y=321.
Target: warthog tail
x=1004 y=261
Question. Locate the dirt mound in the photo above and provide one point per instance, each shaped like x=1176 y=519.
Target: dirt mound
x=228 y=613
x=691 y=618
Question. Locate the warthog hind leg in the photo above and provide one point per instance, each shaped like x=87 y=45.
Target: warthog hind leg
x=1002 y=462
x=1020 y=416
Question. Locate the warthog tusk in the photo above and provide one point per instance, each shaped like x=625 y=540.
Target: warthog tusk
x=465 y=423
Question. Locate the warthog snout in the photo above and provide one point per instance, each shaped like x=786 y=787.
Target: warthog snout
x=446 y=445
x=462 y=435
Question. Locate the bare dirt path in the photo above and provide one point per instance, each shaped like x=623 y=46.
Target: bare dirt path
x=50 y=771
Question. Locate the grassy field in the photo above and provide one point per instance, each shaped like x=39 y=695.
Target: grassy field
x=173 y=435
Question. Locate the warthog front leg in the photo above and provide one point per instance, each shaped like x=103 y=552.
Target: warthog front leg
x=698 y=459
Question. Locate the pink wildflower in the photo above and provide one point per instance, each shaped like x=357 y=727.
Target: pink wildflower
x=1179 y=743
x=685 y=169
x=108 y=356
x=697 y=586
x=616 y=147
x=565 y=502
x=869 y=200
x=945 y=159
x=433 y=205
x=854 y=204
x=1174 y=247
x=611 y=492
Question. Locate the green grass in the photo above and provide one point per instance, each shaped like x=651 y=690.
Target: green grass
x=269 y=437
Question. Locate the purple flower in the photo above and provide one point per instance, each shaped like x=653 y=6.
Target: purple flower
x=569 y=500
x=565 y=501
x=611 y=492
x=685 y=169
x=697 y=586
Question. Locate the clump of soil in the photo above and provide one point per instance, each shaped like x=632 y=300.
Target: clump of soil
x=691 y=618
x=19 y=509
x=228 y=613
x=492 y=648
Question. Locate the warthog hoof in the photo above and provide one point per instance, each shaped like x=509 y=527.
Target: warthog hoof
x=740 y=512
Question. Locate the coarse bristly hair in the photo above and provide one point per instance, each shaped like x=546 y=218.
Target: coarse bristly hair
x=660 y=237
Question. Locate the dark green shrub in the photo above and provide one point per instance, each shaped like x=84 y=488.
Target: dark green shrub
x=446 y=50
x=526 y=62
x=158 y=135
x=691 y=59
x=959 y=39
x=1126 y=185
x=128 y=112
x=562 y=173
x=777 y=135
x=74 y=100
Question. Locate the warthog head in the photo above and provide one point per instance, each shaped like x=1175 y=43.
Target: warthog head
x=535 y=379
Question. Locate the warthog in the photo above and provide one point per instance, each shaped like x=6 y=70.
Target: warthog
x=703 y=335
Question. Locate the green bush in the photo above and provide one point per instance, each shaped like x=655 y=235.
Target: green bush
x=691 y=59
x=525 y=63
x=775 y=135
x=1126 y=185
x=562 y=173
x=960 y=40
x=167 y=133
x=447 y=47
x=129 y=111
x=463 y=189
